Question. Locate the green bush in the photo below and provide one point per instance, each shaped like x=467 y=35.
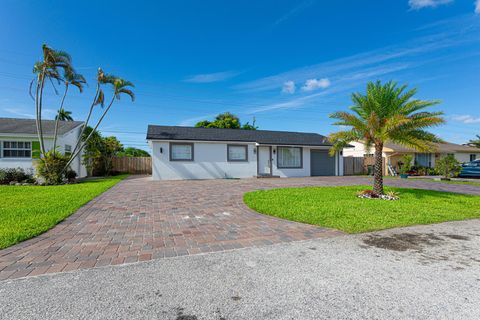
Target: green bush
x=448 y=166
x=406 y=163
x=50 y=167
x=14 y=175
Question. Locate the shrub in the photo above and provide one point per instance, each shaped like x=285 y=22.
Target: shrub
x=70 y=175
x=406 y=163
x=15 y=175
x=50 y=167
x=448 y=166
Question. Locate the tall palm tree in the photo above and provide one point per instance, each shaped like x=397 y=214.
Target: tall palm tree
x=47 y=69
x=386 y=113
x=120 y=86
x=70 y=77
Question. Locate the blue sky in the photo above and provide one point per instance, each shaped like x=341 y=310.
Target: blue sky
x=288 y=64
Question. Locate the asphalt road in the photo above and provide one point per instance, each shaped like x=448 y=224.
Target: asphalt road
x=425 y=272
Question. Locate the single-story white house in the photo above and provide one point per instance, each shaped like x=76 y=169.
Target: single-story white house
x=392 y=154
x=19 y=145
x=208 y=153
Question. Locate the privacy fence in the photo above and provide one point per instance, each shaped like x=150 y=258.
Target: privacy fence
x=360 y=165
x=133 y=165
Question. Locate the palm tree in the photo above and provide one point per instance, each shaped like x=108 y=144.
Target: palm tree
x=48 y=68
x=64 y=115
x=120 y=86
x=70 y=77
x=386 y=113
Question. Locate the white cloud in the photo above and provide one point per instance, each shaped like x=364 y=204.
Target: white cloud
x=466 y=118
x=289 y=87
x=477 y=7
x=192 y=121
x=314 y=84
x=294 y=11
x=419 y=4
x=431 y=47
x=212 y=77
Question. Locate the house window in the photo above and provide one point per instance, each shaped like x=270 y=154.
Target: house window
x=181 y=151
x=289 y=157
x=17 y=149
x=68 y=149
x=423 y=160
x=237 y=152
x=473 y=157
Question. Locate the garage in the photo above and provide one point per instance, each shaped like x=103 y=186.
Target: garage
x=321 y=163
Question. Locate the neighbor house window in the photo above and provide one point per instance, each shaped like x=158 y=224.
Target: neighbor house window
x=423 y=160
x=289 y=157
x=237 y=152
x=17 y=149
x=181 y=151
x=68 y=150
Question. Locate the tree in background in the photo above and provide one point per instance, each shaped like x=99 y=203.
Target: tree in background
x=62 y=115
x=475 y=142
x=226 y=120
x=99 y=152
x=133 y=152
x=448 y=166
x=386 y=113
x=110 y=147
x=91 y=157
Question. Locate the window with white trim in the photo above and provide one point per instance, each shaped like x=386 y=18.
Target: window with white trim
x=17 y=149
x=68 y=150
x=181 y=152
x=473 y=157
x=289 y=157
x=237 y=152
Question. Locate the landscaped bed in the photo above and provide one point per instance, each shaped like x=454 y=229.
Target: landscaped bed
x=27 y=211
x=340 y=208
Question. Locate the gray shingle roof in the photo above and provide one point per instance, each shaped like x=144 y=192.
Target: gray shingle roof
x=237 y=135
x=446 y=147
x=27 y=126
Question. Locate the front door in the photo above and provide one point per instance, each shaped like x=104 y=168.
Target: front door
x=264 y=158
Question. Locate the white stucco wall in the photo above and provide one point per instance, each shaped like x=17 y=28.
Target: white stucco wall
x=29 y=163
x=210 y=162
x=358 y=150
x=465 y=157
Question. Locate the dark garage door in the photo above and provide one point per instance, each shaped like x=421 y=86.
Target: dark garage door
x=321 y=163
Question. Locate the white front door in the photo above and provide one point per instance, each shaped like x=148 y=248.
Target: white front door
x=264 y=161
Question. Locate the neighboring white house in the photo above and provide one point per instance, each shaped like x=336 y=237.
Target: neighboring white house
x=19 y=146
x=207 y=153
x=392 y=153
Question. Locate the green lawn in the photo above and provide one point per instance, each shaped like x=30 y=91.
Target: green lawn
x=339 y=208
x=27 y=211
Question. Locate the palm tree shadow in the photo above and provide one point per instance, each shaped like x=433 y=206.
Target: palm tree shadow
x=423 y=193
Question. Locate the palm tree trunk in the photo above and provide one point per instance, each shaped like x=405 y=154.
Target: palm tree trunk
x=85 y=124
x=378 y=169
x=39 y=115
x=55 y=134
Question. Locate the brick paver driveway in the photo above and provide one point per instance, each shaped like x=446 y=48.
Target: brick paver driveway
x=140 y=219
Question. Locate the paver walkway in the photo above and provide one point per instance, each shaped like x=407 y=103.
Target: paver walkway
x=140 y=219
